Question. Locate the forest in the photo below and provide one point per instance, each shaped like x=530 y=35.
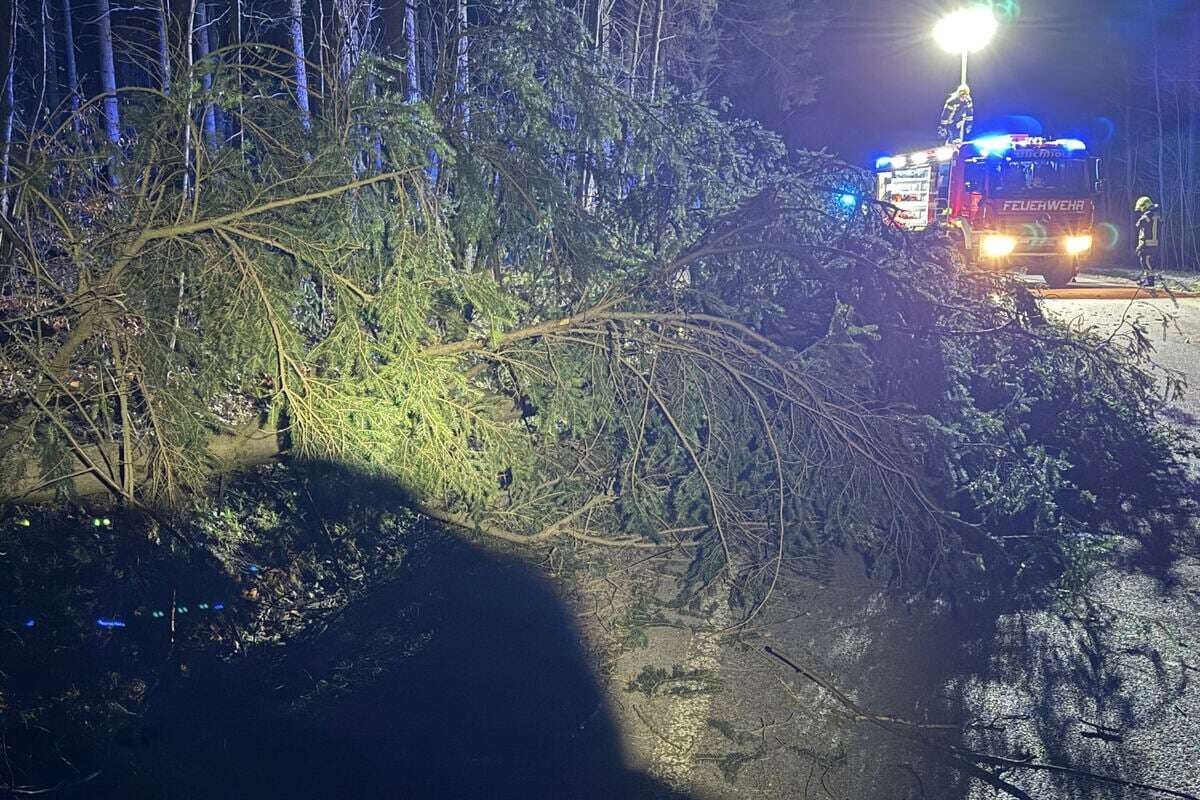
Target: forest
x=531 y=264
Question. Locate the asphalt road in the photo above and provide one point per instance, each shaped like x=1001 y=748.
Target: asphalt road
x=1111 y=690
x=1113 y=307
x=1109 y=687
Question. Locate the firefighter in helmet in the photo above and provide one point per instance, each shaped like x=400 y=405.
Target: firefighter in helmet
x=1149 y=235
x=958 y=116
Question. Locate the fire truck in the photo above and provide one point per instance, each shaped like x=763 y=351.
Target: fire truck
x=1011 y=201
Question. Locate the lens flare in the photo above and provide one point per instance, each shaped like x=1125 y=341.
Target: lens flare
x=1078 y=244
x=1109 y=236
x=997 y=245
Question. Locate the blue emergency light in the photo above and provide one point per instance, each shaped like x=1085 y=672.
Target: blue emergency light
x=993 y=145
x=848 y=200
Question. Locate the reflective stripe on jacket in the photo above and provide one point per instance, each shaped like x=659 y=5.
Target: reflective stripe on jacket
x=957 y=115
x=1148 y=228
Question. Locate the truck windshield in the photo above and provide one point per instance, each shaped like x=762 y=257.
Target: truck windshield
x=1060 y=177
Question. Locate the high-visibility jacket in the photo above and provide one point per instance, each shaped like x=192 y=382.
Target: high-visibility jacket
x=958 y=117
x=1148 y=228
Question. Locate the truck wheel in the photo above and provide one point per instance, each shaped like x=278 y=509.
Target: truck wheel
x=1060 y=275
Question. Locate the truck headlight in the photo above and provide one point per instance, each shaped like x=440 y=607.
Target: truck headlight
x=1078 y=244
x=997 y=245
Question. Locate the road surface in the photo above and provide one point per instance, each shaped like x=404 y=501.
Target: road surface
x=1111 y=307
x=1111 y=689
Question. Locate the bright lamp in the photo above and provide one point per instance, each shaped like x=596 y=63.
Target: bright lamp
x=965 y=30
x=997 y=245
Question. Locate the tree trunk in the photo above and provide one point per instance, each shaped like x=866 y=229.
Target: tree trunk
x=1193 y=140
x=1158 y=112
x=462 y=74
x=108 y=76
x=7 y=102
x=72 y=73
x=241 y=128
x=164 y=53
x=50 y=49
x=654 y=67
x=412 y=66
x=635 y=61
x=296 y=26
x=203 y=50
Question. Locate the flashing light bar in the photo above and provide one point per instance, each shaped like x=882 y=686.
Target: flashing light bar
x=1002 y=143
x=917 y=159
x=986 y=146
x=993 y=145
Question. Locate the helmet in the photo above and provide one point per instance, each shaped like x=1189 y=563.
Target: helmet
x=963 y=89
x=1143 y=204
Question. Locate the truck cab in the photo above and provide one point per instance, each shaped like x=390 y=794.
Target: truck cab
x=1010 y=201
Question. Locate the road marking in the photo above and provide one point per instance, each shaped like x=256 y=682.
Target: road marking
x=1111 y=293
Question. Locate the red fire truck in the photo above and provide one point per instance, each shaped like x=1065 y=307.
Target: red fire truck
x=1011 y=201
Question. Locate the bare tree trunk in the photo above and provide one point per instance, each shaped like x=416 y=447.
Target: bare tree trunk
x=604 y=31
x=188 y=38
x=322 y=46
x=1158 y=109
x=241 y=128
x=462 y=74
x=601 y=26
x=50 y=52
x=635 y=61
x=72 y=73
x=8 y=29
x=412 y=66
x=296 y=24
x=1193 y=140
x=203 y=50
x=1181 y=149
x=658 y=26
x=108 y=76
x=164 y=54
x=429 y=51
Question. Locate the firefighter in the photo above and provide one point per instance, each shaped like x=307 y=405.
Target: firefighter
x=1149 y=234
x=958 y=116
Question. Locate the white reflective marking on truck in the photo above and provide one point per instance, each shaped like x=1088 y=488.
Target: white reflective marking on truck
x=1044 y=205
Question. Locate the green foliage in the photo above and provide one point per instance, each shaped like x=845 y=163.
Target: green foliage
x=679 y=681
x=568 y=313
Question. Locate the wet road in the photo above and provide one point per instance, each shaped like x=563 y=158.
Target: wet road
x=1115 y=307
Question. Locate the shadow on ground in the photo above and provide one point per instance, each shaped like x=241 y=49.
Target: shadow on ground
x=461 y=677
x=1100 y=682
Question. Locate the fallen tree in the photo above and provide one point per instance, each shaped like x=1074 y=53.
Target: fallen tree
x=704 y=345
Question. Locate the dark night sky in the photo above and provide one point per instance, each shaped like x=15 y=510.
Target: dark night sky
x=1060 y=62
